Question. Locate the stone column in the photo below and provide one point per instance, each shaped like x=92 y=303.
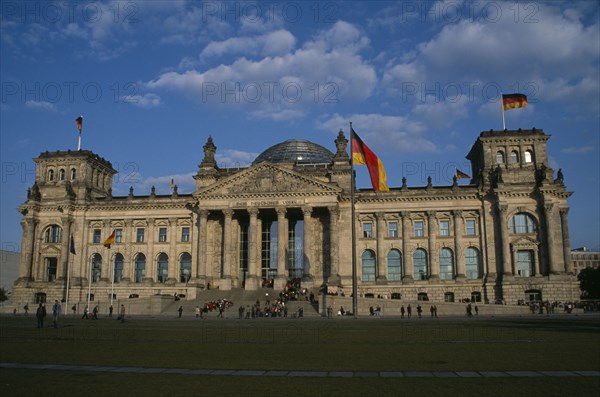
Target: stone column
x=151 y=263
x=381 y=276
x=406 y=254
x=106 y=269
x=202 y=224
x=564 y=225
x=459 y=256
x=253 y=282
x=129 y=254
x=29 y=226
x=506 y=263
x=334 y=266
x=225 y=283
x=282 y=245
x=61 y=272
x=553 y=223
x=307 y=277
x=174 y=269
x=434 y=263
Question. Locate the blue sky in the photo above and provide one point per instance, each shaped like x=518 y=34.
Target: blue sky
x=418 y=80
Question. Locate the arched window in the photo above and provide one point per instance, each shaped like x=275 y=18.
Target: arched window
x=514 y=157
x=61 y=174
x=162 y=267
x=472 y=263
x=140 y=267
x=368 y=266
x=50 y=175
x=53 y=234
x=522 y=224
x=528 y=156
x=394 y=261
x=118 y=272
x=446 y=264
x=185 y=266
x=96 y=267
x=500 y=157
x=73 y=174
x=420 y=264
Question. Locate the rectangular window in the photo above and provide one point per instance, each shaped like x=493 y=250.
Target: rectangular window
x=51 y=268
x=419 y=230
x=162 y=234
x=367 y=230
x=118 y=236
x=470 y=227
x=139 y=237
x=393 y=229
x=185 y=234
x=444 y=228
x=97 y=236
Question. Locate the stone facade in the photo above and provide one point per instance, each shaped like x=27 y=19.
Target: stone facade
x=504 y=236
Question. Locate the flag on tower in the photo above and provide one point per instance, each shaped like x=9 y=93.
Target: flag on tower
x=513 y=101
x=362 y=155
x=79 y=121
x=110 y=240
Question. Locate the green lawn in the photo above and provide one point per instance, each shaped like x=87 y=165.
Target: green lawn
x=518 y=344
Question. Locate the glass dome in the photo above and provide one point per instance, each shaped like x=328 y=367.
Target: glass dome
x=296 y=151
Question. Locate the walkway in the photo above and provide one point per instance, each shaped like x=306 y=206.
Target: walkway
x=309 y=374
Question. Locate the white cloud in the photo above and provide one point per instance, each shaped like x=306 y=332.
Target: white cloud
x=40 y=105
x=147 y=101
x=552 y=43
x=272 y=43
x=326 y=69
x=383 y=133
x=578 y=149
x=230 y=158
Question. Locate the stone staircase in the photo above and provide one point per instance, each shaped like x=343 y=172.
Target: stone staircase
x=239 y=297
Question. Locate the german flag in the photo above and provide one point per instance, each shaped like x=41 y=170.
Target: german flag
x=461 y=175
x=513 y=101
x=362 y=155
x=79 y=121
x=110 y=240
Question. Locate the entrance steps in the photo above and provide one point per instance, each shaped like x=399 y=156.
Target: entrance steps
x=239 y=297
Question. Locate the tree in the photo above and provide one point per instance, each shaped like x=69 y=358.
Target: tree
x=589 y=283
x=3 y=294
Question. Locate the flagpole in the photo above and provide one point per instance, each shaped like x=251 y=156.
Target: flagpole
x=353 y=185
x=502 y=108
x=79 y=142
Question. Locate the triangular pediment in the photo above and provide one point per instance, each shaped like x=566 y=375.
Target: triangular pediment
x=524 y=242
x=266 y=179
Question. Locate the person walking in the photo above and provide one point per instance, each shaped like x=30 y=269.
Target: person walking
x=197 y=311
x=56 y=308
x=122 y=313
x=180 y=310
x=40 y=314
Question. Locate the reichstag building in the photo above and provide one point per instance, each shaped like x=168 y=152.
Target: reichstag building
x=503 y=237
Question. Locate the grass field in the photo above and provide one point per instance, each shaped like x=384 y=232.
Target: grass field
x=494 y=344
